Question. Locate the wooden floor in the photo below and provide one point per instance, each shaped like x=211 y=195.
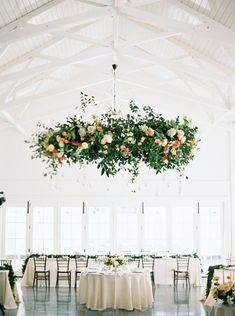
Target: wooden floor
x=62 y=301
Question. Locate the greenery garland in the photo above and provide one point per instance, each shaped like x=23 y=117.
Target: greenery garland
x=11 y=275
x=210 y=274
x=115 y=143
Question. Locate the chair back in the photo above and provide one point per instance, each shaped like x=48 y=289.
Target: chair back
x=40 y=263
x=63 y=264
x=183 y=263
x=148 y=262
x=81 y=263
x=133 y=262
x=5 y=261
x=91 y=261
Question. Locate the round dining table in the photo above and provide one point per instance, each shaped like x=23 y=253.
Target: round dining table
x=128 y=290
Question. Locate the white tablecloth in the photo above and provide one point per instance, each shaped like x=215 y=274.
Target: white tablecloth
x=27 y=280
x=164 y=267
x=6 y=295
x=118 y=290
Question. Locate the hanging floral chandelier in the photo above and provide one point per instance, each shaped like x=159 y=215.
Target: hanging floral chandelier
x=113 y=142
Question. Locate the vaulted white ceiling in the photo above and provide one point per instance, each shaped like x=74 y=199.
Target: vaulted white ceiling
x=177 y=55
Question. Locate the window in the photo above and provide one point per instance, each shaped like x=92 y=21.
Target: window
x=43 y=230
x=127 y=228
x=155 y=230
x=183 y=223
x=71 y=230
x=98 y=230
x=211 y=236
x=15 y=235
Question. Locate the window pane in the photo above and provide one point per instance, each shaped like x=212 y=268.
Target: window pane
x=15 y=235
x=127 y=230
x=183 y=230
x=155 y=230
x=43 y=229
x=99 y=225
x=211 y=237
x=71 y=230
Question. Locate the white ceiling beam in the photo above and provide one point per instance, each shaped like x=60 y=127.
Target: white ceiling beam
x=176 y=66
x=13 y=123
x=82 y=38
x=3 y=50
x=98 y=3
x=31 y=30
x=39 y=49
x=212 y=29
x=11 y=27
x=169 y=24
x=70 y=85
x=149 y=83
x=75 y=59
x=191 y=51
x=160 y=36
x=115 y=31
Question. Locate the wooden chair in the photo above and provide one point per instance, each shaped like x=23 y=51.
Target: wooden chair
x=91 y=261
x=133 y=262
x=182 y=270
x=40 y=270
x=63 y=272
x=81 y=263
x=149 y=263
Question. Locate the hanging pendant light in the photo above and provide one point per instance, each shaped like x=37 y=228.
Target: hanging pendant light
x=115 y=113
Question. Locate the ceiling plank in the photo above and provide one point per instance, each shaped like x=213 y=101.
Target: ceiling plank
x=213 y=29
x=22 y=20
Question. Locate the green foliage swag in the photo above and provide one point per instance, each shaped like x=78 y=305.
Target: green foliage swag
x=210 y=274
x=113 y=142
x=11 y=275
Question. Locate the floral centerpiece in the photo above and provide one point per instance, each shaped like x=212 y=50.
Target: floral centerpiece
x=113 y=142
x=224 y=292
x=114 y=261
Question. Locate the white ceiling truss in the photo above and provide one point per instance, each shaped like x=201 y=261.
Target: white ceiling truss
x=181 y=50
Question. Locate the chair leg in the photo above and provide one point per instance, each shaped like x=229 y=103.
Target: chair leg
x=69 y=279
x=75 y=285
x=49 y=279
x=2 y=309
x=57 y=281
x=34 y=279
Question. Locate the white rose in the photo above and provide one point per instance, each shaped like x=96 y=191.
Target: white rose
x=173 y=151
x=108 y=138
x=91 y=129
x=103 y=141
x=183 y=140
x=164 y=142
x=61 y=144
x=50 y=147
x=84 y=145
x=82 y=131
x=143 y=128
x=61 y=154
x=171 y=132
x=180 y=134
